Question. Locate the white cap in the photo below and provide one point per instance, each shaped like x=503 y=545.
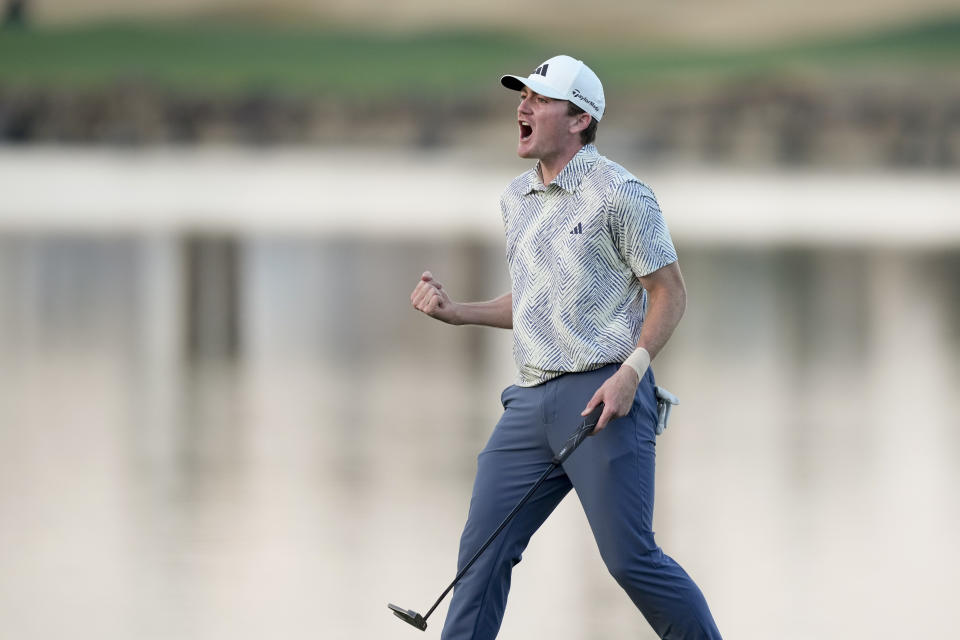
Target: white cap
x=564 y=78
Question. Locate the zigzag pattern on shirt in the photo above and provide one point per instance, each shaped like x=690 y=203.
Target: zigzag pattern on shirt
x=638 y=227
x=577 y=299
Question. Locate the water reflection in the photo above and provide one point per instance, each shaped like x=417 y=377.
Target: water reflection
x=809 y=481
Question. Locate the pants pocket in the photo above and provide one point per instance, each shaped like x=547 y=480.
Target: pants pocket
x=505 y=396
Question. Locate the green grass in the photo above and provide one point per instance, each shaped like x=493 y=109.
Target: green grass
x=211 y=58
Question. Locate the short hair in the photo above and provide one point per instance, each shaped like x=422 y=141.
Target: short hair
x=589 y=134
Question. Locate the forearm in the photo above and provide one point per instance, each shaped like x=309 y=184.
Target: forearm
x=492 y=313
x=666 y=302
x=664 y=310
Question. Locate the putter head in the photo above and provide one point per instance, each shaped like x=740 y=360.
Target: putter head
x=410 y=617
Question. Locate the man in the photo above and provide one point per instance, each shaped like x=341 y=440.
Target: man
x=596 y=293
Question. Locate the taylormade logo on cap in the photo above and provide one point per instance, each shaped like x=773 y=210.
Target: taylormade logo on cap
x=564 y=78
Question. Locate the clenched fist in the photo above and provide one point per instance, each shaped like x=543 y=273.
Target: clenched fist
x=430 y=298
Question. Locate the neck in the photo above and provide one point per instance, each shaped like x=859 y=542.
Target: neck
x=551 y=166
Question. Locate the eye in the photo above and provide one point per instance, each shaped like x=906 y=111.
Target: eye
x=542 y=100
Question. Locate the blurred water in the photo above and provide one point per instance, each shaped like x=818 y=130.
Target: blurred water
x=809 y=481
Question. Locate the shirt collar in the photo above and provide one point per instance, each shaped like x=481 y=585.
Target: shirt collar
x=569 y=178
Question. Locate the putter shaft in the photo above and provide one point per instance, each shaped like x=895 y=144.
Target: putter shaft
x=576 y=438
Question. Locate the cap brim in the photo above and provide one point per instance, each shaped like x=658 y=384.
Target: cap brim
x=517 y=83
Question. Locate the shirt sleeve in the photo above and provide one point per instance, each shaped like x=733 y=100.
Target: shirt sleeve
x=639 y=231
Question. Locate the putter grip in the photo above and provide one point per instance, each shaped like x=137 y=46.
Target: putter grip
x=585 y=429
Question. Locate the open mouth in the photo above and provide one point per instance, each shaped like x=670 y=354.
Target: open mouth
x=525 y=130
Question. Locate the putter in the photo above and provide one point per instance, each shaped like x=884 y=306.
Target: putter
x=585 y=429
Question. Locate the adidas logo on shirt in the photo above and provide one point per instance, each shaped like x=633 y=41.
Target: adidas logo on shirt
x=577 y=229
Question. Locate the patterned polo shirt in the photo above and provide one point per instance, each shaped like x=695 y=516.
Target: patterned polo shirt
x=575 y=250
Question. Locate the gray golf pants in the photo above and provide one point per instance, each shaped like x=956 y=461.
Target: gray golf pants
x=613 y=474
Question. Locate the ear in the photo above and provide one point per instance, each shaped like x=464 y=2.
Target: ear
x=580 y=122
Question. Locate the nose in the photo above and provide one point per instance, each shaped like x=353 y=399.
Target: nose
x=524 y=106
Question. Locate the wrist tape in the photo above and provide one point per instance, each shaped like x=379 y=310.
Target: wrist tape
x=639 y=360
